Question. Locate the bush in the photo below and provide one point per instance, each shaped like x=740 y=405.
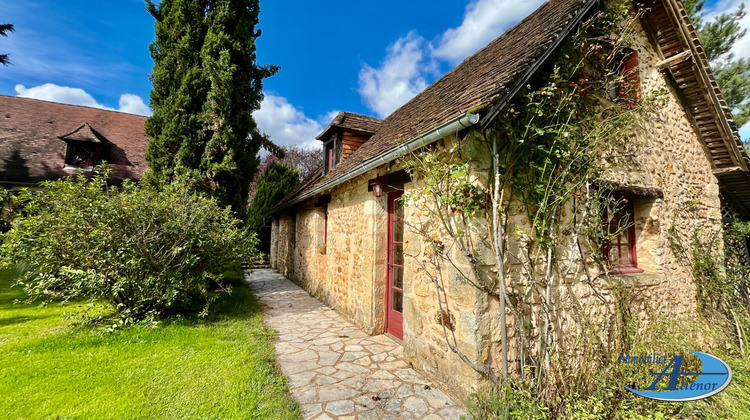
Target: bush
x=146 y=252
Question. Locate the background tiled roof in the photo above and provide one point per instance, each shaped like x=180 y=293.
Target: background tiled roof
x=31 y=149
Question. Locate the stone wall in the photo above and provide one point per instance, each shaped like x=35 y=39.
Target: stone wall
x=664 y=153
x=347 y=271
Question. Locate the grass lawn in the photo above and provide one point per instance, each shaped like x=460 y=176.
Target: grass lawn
x=219 y=368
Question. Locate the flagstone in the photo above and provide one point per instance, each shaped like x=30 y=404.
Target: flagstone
x=310 y=410
x=335 y=370
x=335 y=392
x=339 y=408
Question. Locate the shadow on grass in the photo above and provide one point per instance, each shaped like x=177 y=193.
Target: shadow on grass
x=4 y=322
x=239 y=304
x=10 y=294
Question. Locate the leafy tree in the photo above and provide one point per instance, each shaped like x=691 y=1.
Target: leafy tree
x=146 y=252
x=206 y=84
x=306 y=161
x=276 y=182
x=4 y=29
x=718 y=38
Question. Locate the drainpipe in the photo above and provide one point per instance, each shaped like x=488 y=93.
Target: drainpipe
x=444 y=130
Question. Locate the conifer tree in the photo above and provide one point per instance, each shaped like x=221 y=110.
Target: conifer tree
x=206 y=84
x=718 y=38
x=4 y=29
x=274 y=183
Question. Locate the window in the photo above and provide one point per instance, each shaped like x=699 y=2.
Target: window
x=322 y=229
x=80 y=155
x=330 y=158
x=627 y=86
x=618 y=247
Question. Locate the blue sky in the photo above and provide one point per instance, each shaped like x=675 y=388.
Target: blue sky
x=336 y=55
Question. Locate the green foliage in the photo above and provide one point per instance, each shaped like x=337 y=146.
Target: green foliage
x=219 y=367
x=276 y=182
x=206 y=84
x=146 y=252
x=4 y=29
x=737 y=257
x=8 y=209
x=511 y=402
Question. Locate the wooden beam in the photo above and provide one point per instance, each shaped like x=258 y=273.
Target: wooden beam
x=727 y=171
x=678 y=15
x=674 y=60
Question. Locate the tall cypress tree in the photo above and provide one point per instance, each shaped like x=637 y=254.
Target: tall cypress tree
x=206 y=84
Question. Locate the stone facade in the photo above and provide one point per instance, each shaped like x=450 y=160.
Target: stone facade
x=348 y=270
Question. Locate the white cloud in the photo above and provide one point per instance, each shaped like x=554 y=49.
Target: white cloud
x=484 y=20
x=742 y=47
x=133 y=104
x=285 y=124
x=129 y=103
x=400 y=77
x=62 y=94
x=410 y=61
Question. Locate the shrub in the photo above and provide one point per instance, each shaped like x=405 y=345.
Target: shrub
x=146 y=252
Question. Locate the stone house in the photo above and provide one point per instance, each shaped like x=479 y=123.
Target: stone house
x=341 y=234
x=43 y=141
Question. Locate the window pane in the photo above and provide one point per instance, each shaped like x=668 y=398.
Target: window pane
x=398 y=254
x=398 y=209
x=626 y=257
x=398 y=231
x=398 y=301
x=398 y=277
x=614 y=256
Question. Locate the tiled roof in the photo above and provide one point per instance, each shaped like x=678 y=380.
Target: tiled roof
x=477 y=82
x=32 y=148
x=354 y=122
x=83 y=133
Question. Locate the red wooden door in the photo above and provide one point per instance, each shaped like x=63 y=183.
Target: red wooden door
x=394 y=318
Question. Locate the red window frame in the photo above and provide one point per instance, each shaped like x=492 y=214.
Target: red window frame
x=630 y=76
x=624 y=239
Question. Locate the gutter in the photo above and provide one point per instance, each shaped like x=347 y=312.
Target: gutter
x=446 y=129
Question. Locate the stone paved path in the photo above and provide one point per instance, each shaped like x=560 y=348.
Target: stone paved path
x=335 y=370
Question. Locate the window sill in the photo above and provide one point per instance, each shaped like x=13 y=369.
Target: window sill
x=637 y=279
x=625 y=270
x=75 y=168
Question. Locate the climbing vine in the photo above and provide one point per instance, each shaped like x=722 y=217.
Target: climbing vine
x=719 y=264
x=501 y=221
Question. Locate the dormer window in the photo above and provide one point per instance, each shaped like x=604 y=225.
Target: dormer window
x=344 y=135
x=80 y=155
x=83 y=147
